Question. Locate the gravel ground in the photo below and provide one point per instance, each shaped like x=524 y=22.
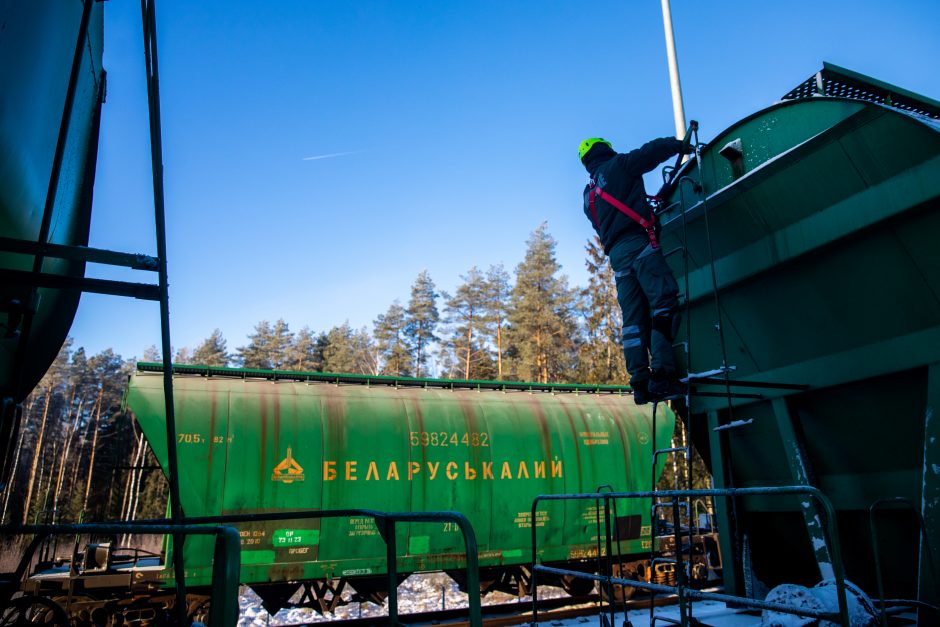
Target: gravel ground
x=418 y=593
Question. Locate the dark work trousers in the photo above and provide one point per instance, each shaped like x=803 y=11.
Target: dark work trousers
x=649 y=298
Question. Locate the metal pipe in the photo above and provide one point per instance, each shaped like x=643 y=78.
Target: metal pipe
x=677 y=107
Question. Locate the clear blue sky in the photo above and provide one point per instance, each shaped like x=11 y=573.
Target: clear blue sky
x=447 y=131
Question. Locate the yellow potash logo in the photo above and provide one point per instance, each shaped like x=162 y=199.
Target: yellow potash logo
x=288 y=471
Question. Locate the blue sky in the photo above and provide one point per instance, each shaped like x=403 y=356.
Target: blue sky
x=446 y=133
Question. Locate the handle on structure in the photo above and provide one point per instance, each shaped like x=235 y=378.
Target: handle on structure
x=666 y=189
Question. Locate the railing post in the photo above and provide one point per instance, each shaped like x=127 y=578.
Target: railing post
x=391 y=553
x=473 y=571
x=535 y=570
x=609 y=557
x=226 y=564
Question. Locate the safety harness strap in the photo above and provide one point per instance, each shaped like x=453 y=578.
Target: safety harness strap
x=646 y=223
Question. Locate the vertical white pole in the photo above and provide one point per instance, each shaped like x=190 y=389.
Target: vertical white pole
x=677 y=107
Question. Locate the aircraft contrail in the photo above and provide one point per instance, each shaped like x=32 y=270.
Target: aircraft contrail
x=331 y=155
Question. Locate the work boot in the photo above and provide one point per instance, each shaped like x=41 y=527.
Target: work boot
x=666 y=387
x=641 y=395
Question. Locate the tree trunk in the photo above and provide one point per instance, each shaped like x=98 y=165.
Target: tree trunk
x=37 y=452
x=69 y=435
x=11 y=483
x=78 y=461
x=466 y=372
x=499 y=350
x=129 y=506
x=94 y=447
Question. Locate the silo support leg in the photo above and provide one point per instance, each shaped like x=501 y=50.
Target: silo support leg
x=800 y=471
x=726 y=531
x=930 y=495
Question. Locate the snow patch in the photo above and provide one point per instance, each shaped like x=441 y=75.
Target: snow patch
x=822 y=598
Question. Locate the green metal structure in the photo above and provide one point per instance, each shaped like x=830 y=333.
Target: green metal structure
x=50 y=105
x=50 y=109
x=259 y=442
x=809 y=233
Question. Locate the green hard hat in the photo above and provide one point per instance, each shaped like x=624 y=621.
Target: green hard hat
x=587 y=144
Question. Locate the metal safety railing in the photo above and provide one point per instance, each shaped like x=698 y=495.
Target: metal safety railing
x=385 y=522
x=225 y=564
x=684 y=593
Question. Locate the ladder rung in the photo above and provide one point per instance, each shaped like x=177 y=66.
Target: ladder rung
x=695 y=376
x=734 y=425
x=723 y=394
x=674 y=251
x=666 y=619
x=663 y=451
x=753 y=384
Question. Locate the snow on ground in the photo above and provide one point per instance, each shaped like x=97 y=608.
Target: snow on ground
x=710 y=612
x=418 y=593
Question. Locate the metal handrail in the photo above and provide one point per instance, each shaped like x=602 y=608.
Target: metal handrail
x=831 y=532
x=226 y=560
x=387 y=531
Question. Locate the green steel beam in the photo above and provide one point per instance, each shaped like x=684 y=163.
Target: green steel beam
x=78 y=253
x=893 y=355
x=800 y=473
x=726 y=530
x=142 y=291
x=930 y=493
x=381 y=380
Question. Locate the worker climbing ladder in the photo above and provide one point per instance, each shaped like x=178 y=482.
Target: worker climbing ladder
x=681 y=560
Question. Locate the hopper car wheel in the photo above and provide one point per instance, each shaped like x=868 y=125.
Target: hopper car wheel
x=576 y=586
x=77 y=611
x=199 y=610
x=29 y=611
x=621 y=593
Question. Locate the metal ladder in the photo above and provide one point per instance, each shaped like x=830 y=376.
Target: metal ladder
x=720 y=375
x=42 y=249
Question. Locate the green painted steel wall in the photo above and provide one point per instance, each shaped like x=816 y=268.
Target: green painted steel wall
x=40 y=38
x=828 y=275
x=248 y=446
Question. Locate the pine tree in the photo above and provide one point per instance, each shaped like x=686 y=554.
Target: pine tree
x=267 y=346
x=348 y=351
x=392 y=342
x=544 y=330
x=183 y=356
x=306 y=351
x=421 y=320
x=212 y=352
x=498 y=295
x=465 y=314
x=601 y=356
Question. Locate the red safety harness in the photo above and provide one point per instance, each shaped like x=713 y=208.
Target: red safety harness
x=647 y=223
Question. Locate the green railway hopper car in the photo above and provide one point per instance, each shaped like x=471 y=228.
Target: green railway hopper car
x=40 y=201
x=822 y=215
x=254 y=442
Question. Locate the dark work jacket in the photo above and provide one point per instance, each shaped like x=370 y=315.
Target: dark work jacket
x=621 y=176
